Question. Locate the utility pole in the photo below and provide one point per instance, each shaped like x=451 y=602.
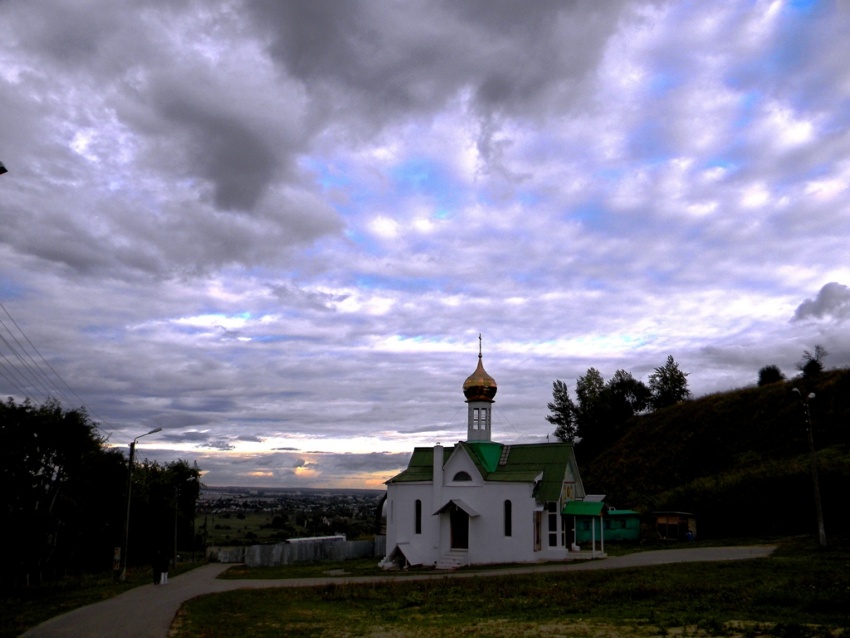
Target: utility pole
x=814 y=465
x=176 y=508
x=122 y=573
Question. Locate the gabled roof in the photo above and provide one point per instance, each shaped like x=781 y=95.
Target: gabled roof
x=459 y=504
x=409 y=552
x=524 y=463
x=421 y=465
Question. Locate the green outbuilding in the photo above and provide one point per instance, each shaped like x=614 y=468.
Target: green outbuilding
x=617 y=525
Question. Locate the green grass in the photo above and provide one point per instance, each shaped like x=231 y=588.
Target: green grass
x=251 y=528
x=355 y=567
x=23 y=608
x=369 y=566
x=800 y=591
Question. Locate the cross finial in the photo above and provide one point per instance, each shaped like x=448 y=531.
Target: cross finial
x=479 y=345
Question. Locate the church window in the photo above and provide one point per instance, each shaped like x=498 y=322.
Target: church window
x=480 y=418
x=462 y=476
x=418 y=522
x=553 y=524
x=508 y=522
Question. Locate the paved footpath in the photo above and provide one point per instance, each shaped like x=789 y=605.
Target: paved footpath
x=147 y=611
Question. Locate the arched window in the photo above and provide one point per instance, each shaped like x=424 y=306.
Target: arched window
x=418 y=521
x=462 y=476
x=508 y=521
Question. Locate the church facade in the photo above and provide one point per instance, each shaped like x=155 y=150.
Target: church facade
x=480 y=501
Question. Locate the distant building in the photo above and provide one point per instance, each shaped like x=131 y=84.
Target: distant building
x=611 y=524
x=675 y=526
x=480 y=501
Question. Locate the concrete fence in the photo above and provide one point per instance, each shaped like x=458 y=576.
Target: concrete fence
x=301 y=550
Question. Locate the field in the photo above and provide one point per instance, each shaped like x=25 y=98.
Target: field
x=800 y=591
x=249 y=528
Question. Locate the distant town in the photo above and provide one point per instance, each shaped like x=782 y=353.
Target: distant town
x=247 y=515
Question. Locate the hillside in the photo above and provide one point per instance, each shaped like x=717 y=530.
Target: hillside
x=739 y=460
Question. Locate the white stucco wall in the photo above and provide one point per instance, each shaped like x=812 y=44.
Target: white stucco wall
x=487 y=541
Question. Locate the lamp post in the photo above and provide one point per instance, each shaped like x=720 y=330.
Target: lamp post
x=814 y=464
x=123 y=572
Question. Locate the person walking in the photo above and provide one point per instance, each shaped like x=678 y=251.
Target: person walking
x=163 y=568
x=160 y=567
x=156 y=567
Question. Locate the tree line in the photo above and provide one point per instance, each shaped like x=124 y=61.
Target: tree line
x=597 y=416
x=594 y=420
x=63 y=497
x=810 y=366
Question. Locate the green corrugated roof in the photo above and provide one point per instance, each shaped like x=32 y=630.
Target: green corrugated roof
x=522 y=464
x=549 y=458
x=487 y=452
x=583 y=508
x=420 y=467
x=506 y=476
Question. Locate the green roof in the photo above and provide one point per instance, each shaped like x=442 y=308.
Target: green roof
x=506 y=463
x=420 y=467
x=583 y=508
x=487 y=453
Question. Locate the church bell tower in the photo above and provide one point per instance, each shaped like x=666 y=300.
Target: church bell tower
x=479 y=390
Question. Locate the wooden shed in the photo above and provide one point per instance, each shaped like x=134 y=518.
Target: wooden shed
x=675 y=526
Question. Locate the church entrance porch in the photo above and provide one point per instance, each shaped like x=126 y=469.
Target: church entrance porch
x=459 y=513
x=459 y=528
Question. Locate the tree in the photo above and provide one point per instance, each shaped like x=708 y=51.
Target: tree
x=770 y=374
x=163 y=510
x=811 y=365
x=563 y=412
x=590 y=390
x=60 y=488
x=605 y=407
x=591 y=414
x=669 y=385
x=626 y=396
x=63 y=492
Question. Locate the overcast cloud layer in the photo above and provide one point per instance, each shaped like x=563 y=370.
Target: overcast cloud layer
x=276 y=229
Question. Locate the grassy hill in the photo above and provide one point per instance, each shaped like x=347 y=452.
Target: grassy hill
x=739 y=460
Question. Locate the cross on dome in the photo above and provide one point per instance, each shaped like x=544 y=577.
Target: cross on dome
x=479 y=386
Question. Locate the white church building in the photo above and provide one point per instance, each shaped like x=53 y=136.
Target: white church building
x=480 y=501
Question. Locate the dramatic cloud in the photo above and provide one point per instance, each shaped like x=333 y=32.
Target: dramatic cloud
x=276 y=230
x=833 y=301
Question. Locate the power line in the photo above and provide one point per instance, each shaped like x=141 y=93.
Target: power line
x=42 y=379
x=21 y=372
x=32 y=345
x=11 y=379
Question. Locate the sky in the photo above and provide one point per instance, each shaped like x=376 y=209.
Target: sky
x=276 y=229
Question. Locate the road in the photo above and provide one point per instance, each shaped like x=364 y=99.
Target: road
x=147 y=611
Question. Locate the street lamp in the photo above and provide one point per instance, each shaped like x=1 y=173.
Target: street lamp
x=814 y=463
x=123 y=572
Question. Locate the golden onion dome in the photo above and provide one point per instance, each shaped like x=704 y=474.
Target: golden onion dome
x=479 y=386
